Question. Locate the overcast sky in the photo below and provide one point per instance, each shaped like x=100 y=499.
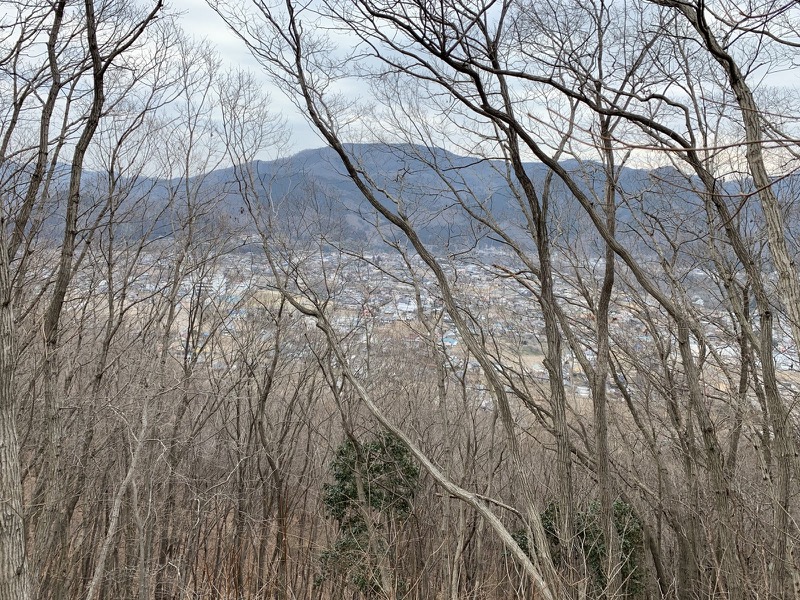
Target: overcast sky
x=201 y=22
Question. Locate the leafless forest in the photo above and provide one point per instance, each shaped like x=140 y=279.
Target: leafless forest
x=580 y=382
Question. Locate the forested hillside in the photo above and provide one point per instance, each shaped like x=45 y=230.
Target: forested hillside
x=527 y=326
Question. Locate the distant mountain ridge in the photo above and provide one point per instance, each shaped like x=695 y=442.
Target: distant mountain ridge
x=437 y=187
x=444 y=194
x=429 y=181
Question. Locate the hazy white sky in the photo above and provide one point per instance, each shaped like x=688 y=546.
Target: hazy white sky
x=200 y=21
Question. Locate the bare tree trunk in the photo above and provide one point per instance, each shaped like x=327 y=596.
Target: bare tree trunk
x=14 y=584
x=612 y=560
